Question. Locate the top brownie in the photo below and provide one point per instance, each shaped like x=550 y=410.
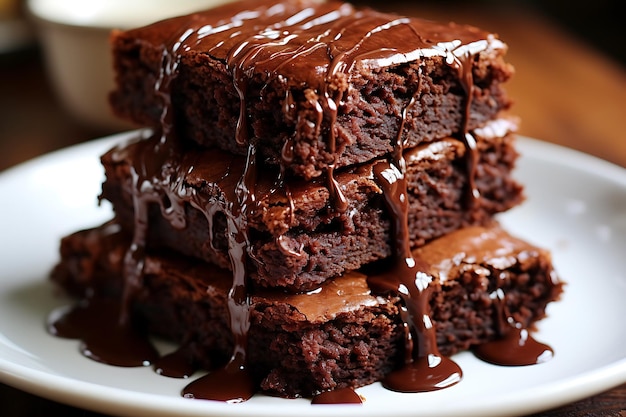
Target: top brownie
x=314 y=85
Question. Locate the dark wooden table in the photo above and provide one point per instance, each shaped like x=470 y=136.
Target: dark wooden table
x=566 y=93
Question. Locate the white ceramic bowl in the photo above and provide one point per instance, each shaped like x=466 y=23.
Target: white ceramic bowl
x=74 y=35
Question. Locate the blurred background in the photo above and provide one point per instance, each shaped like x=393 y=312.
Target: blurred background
x=569 y=89
x=599 y=23
x=35 y=117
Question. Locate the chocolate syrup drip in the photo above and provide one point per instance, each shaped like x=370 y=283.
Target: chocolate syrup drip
x=233 y=382
x=134 y=259
x=150 y=173
x=424 y=368
x=110 y=337
x=515 y=346
x=462 y=62
x=95 y=322
x=176 y=364
x=338 y=396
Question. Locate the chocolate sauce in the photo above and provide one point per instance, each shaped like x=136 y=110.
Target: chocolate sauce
x=424 y=368
x=318 y=47
x=149 y=174
x=338 y=396
x=231 y=384
x=176 y=364
x=516 y=348
x=95 y=322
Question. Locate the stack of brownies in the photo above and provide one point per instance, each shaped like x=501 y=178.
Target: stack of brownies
x=312 y=204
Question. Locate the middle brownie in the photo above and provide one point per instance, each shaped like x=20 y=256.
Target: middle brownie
x=297 y=238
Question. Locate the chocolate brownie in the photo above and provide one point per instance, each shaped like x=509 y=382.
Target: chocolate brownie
x=314 y=85
x=341 y=335
x=311 y=207
x=297 y=238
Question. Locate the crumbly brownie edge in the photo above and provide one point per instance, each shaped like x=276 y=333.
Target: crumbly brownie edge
x=323 y=243
x=291 y=354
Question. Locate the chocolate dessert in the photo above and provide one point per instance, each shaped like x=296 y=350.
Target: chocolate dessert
x=318 y=85
x=297 y=239
x=342 y=334
x=311 y=207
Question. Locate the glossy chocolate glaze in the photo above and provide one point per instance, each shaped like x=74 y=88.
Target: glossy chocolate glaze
x=317 y=44
x=311 y=44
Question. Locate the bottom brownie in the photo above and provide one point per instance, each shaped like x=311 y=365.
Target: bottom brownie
x=340 y=335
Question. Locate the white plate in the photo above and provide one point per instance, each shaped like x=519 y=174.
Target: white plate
x=576 y=207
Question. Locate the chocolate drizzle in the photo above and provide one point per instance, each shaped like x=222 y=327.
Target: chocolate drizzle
x=329 y=40
x=424 y=368
x=337 y=396
x=462 y=62
x=176 y=364
x=95 y=322
x=515 y=346
x=233 y=383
